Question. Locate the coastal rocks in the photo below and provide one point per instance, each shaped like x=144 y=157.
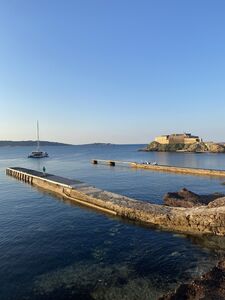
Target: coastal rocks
x=216 y=148
x=209 y=286
x=198 y=147
x=183 y=198
x=217 y=203
x=155 y=146
x=186 y=198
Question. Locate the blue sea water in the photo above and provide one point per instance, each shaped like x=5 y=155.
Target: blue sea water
x=54 y=249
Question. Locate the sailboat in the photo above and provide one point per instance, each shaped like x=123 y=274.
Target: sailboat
x=38 y=153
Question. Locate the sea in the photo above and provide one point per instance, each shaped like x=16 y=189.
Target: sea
x=52 y=248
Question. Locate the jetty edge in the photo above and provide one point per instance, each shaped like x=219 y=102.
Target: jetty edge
x=195 y=220
x=163 y=168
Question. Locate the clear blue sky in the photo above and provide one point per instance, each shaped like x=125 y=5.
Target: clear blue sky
x=119 y=71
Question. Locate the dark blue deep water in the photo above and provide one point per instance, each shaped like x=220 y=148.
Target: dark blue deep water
x=54 y=249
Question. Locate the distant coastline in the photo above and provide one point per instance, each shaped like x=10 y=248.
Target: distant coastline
x=30 y=143
x=9 y=143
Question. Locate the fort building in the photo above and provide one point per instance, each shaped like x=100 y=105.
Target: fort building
x=178 y=138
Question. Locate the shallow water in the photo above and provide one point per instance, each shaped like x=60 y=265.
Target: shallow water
x=53 y=249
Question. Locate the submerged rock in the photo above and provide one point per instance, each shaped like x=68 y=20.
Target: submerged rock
x=186 y=198
x=209 y=286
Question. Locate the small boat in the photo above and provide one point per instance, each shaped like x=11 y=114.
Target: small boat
x=38 y=153
x=182 y=150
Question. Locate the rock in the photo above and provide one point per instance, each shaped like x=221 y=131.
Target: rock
x=218 y=202
x=209 y=286
x=155 y=146
x=195 y=147
x=186 y=198
x=216 y=148
x=183 y=198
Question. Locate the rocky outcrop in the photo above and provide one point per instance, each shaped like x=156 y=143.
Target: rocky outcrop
x=209 y=286
x=216 y=148
x=195 y=147
x=217 y=203
x=186 y=198
x=183 y=198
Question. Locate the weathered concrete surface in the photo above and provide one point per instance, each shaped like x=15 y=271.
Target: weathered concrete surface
x=203 y=219
x=210 y=286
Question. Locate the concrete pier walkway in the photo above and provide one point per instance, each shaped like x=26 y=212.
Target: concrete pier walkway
x=163 y=168
x=203 y=219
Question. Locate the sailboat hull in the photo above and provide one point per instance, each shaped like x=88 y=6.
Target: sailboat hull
x=38 y=154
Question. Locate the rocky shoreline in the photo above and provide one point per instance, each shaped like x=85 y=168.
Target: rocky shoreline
x=210 y=286
x=199 y=147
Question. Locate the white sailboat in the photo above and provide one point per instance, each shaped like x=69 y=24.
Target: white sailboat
x=38 y=153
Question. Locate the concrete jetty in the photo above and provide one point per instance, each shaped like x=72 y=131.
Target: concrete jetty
x=197 y=220
x=163 y=168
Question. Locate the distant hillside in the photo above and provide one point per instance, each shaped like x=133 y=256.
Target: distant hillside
x=31 y=143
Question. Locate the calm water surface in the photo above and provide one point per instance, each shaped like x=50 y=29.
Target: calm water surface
x=54 y=249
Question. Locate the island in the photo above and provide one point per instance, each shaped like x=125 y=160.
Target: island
x=184 y=142
x=30 y=143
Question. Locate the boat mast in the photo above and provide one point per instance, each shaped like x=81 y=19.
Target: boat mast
x=38 y=143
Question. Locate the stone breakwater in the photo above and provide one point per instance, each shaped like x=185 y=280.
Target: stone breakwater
x=195 y=220
x=162 y=168
x=173 y=169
